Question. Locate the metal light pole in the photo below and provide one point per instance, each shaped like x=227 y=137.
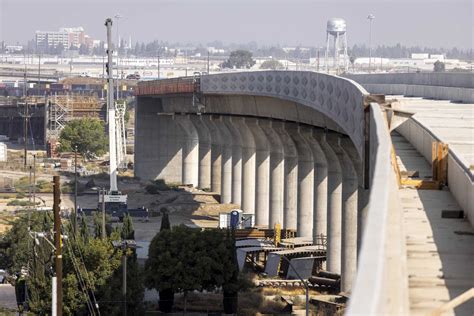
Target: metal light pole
x=124 y=245
x=370 y=17
x=158 y=76
x=75 y=190
x=305 y=283
x=58 y=262
x=117 y=17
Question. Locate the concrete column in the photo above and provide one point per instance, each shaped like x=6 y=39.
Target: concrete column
x=290 y=186
x=236 y=160
x=204 y=181
x=320 y=186
x=216 y=154
x=262 y=184
x=226 y=163
x=159 y=142
x=305 y=182
x=277 y=173
x=248 y=165
x=333 y=261
x=349 y=215
x=190 y=159
x=362 y=193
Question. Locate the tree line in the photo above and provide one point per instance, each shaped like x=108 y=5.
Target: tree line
x=155 y=48
x=181 y=260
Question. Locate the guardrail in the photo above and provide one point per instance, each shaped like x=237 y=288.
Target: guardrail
x=381 y=285
x=458 y=87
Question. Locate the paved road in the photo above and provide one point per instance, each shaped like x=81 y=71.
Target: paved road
x=7 y=296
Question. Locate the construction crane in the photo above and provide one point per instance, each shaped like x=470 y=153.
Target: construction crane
x=113 y=202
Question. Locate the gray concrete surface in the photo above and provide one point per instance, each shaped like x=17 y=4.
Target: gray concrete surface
x=450 y=123
x=440 y=252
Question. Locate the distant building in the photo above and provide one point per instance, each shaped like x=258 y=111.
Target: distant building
x=13 y=48
x=66 y=36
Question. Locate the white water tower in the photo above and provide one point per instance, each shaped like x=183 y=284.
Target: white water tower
x=336 y=31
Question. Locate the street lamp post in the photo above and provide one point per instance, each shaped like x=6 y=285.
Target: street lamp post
x=75 y=190
x=117 y=17
x=305 y=284
x=370 y=17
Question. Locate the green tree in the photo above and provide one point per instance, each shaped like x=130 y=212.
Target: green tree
x=127 y=228
x=239 y=59
x=272 y=64
x=87 y=134
x=439 y=66
x=165 y=221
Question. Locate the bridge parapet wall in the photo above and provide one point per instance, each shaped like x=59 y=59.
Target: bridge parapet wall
x=381 y=285
x=457 y=87
x=338 y=98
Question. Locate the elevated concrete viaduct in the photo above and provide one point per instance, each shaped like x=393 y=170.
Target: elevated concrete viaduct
x=286 y=146
x=312 y=152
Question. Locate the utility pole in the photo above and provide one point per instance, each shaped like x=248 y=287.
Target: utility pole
x=317 y=69
x=124 y=276
x=158 y=66
x=104 y=235
x=370 y=17
x=26 y=117
x=39 y=73
x=34 y=181
x=208 y=62
x=117 y=17
x=75 y=191
x=58 y=259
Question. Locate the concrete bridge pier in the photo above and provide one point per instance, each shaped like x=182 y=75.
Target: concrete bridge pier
x=236 y=161
x=190 y=151
x=290 y=176
x=277 y=164
x=226 y=161
x=305 y=182
x=349 y=215
x=216 y=154
x=362 y=193
x=262 y=161
x=320 y=186
x=248 y=165
x=334 y=211
x=204 y=180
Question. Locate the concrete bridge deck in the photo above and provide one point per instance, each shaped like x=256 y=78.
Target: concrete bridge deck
x=440 y=253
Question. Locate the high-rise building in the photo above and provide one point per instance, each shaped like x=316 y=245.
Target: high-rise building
x=67 y=36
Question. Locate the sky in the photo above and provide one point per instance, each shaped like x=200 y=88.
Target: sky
x=425 y=23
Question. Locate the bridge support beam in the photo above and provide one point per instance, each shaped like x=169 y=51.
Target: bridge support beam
x=204 y=181
x=262 y=161
x=349 y=215
x=320 y=187
x=334 y=203
x=236 y=161
x=248 y=166
x=277 y=164
x=190 y=151
x=216 y=154
x=305 y=182
x=226 y=161
x=290 y=186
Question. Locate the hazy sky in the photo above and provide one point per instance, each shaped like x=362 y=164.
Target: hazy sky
x=432 y=23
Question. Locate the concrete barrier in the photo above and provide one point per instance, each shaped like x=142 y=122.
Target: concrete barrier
x=460 y=178
x=458 y=87
x=381 y=285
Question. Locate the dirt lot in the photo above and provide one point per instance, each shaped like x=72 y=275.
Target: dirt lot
x=185 y=205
